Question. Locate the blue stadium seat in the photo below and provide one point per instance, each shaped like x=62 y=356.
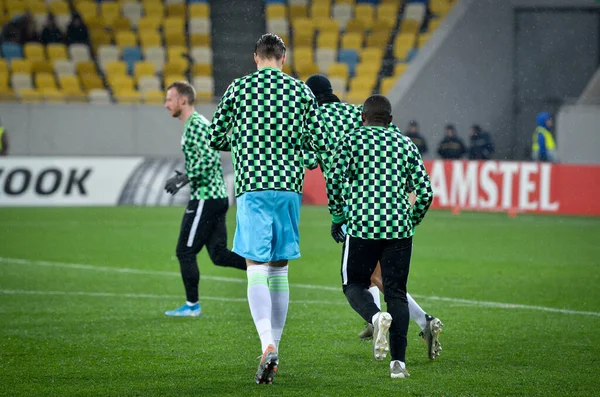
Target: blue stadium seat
x=12 y=50
x=131 y=55
x=350 y=58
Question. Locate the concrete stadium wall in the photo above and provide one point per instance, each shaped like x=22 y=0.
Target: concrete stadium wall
x=466 y=73
x=579 y=140
x=86 y=130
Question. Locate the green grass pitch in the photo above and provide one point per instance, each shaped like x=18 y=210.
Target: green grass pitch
x=83 y=291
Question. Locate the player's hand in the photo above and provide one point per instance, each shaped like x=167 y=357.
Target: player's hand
x=175 y=183
x=337 y=232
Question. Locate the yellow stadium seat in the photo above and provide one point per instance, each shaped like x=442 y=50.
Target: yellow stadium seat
x=328 y=25
x=202 y=69
x=298 y=11
x=386 y=10
x=363 y=83
x=7 y=95
x=320 y=10
x=59 y=8
x=199 y=10
x=440 y=7
x=352 y=41
x=409 y=26
x=14 y=8
x=53 y=95
x=56 y=51
x=95 y=23
x=91 y=82
x=21 y=66
x=367 y=69
x=357 y=97
x=378 y=39
x=150 y=39
x=120 y=83
x=176 y=66
x=422 y=39
x=356 y=26
x=149 y=23
x=303 y=38
x=338 y=70
x=154 y=97
x=129 y=97
x=109 y=11
x=345 y=2
x=387 y=23
x=174 y=39
x=200 y=40
x=3 y=79
x=405 y=40
x=121 y=24
x=364 y=11
x=143 y=68
x=86 y=67
x=276 y=11
x=303 y=25
x=30 y=96
x=387 y=84
x=174 y=25
x=306 y=68
x=401 y=52
x=372 y=54
x=37 y=7
x=87 y=10
x=116 y=68
x=126 y=39
x=3 y=66
x=171 y=78
x=100 y=38
x=67 y=82
x=154 y=9
x=328 y=40
x=42 y=67
x=176 y=10
x=34 y=51
x=44 y=80
x=303 y=54
x=176 y=52
x=399 y=69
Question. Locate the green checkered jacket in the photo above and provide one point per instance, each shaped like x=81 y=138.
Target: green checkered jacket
x=273 y=118
x=202 y=164
x=375 y=168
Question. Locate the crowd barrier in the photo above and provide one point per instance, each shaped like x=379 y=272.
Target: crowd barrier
x=464 y=185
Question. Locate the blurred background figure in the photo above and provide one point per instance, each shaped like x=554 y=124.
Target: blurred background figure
x=543 y=147
x=482 y=145
x=3 y=141
x=77 y=32
x=419 y=140
x=451 y=146
x=29 y=31
x=51 y=33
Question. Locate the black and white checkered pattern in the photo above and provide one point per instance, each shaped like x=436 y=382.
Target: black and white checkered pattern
x=374 y=168
x=202 y=164
x=273 y=118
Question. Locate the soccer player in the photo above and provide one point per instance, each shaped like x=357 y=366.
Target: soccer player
x=341 y=118
x=204 y=219
x=381 y=166
x=273 y=118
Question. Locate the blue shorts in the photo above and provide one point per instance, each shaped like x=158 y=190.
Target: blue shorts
x=267 y=226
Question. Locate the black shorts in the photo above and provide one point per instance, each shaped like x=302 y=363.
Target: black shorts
x=203 y=222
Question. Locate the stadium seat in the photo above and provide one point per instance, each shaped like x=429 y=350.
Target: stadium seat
x=107 y=54
x=328 y=40
x=174 y=39
x=149 y=23
x=371 y=53
x=172 y=78
x=130 y=97
x=44 y=80
x=440 y=7
x=200 y=40
x=386 y=10
x=156 y=55
x=21 y=66
x=356 y=26
x=87 y=67
x=56 y=51
x=204 y=86
x=275 y=11
x=125 y=39
x=120 y=24
x=176 y=10
x=324 y=58
x=414 y=12
x=303 y=54
x=131 y=56
x=143 y=69
x=120 y=83
x=115 y=68
x=339 y=86
x=109 y=11
x=150 y=39
x=327 y=26
x=306 y=68
x=368 y=68
x=20 y=81
x=155 y=97
x=132 y=11
x=154 y=10
x=59 y=8
x=99 y=96
x=202 y=69
x=42 y=67
x=148 y=83
x=278 y=26
x=340 y=70
x=399 y=69
x=378 y=39
x=176 y=52
x=433 y=25
x=29 y=95
x=64 y=67
x=342 y=13
x=387 y=84
x=320 y=10
x=409 y=26
x=175 y=66
x=349 y=57
x=79 y=53
x=200 y=26
x=69 y=81
x=91 y=82
x=422 y=39
x=3 y=66
x=202 y=55
x=297 y=11
x=34 y=52
x=199 y=10
x=352 y=41
x=357 y=97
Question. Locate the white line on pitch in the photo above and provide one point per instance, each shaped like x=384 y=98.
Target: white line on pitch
x=148 y=296
x=498 y=305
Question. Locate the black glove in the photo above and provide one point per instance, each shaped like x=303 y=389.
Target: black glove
x=337 y=233
x=177 y=182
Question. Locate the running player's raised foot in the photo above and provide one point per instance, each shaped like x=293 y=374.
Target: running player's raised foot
x=430 y=336
x=367 y=333
x=381 y=326
x=185 y=311
x=398 y=370
x=267 y=368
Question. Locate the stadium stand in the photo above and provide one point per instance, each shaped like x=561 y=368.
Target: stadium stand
x=135 y=49
x=362 y=45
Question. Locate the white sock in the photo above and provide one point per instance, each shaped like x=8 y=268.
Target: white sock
x=376 y=297
x=280 y=299
x=402 y=365
x=416 y=313
x=190 y=303
x=259 y=300
x=375 y=317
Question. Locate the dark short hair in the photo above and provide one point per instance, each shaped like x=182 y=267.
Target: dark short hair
x=377 y=108
x=270 y=46
x=186 y=89
x=451 y=127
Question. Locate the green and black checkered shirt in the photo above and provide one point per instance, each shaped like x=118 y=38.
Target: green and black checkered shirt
x=273 y=118
x=340 y=118
x=375 y=168
x=202 y=164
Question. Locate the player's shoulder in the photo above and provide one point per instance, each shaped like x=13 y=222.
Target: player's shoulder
x=198 y=121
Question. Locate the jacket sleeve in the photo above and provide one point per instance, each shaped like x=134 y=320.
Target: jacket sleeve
x=419 y=180
x=222 y=121
x=336 y=178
